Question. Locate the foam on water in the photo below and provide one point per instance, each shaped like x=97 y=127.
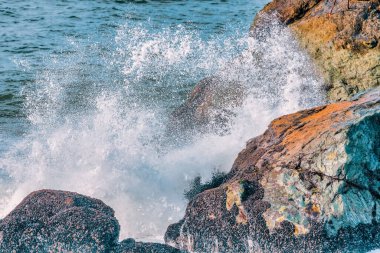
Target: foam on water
x=103 y=136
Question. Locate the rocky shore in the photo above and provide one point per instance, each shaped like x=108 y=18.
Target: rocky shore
x=310 y=183
x=61 y=221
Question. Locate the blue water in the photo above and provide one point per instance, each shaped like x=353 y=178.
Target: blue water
x=87 y=88
x=32 y=31
x=57 y=58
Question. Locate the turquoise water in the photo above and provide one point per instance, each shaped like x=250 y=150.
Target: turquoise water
x=87 y=88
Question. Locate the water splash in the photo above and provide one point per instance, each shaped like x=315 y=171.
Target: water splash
x=98 y=118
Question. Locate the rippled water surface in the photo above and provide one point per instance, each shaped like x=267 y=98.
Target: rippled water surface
x=32 y=32
x=87 y=88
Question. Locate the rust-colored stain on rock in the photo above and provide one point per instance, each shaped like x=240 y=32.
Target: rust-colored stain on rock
x=234 y=193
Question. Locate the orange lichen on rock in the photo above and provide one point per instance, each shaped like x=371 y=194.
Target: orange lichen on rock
x=318 y=121
x=313 y=209
x=344 y=44
x=241 y=218
x=234 y=193
x=300 y=230
x=69 y=201
x=313 y=28
x=308 y=179
x=307 y=154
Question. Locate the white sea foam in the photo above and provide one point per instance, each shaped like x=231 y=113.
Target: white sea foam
x=98 y=130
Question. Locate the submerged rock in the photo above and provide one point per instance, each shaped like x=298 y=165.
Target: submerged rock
x=310 y=183
x=343 y=40
x=60 y=221
x=209 y=107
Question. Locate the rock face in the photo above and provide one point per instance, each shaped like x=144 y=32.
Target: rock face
x=60 y=221
x=343 y=40
x=310 y=183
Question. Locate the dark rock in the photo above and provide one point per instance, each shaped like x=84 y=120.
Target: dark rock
x=310 y=183
x=131 y=246
x=59 y=221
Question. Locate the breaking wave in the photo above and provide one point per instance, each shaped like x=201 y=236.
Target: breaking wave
x=98 y=118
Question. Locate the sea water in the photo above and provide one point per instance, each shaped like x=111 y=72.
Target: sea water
x=87 y=89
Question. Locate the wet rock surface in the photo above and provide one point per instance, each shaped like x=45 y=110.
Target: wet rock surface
x=131 y=246
x=310 y=183
x=61 y=221
x=343 y=39
x=49 y=220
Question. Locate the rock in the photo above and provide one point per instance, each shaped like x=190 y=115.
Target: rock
x=49 y=220
x=310 y=183
x=131 y=246
x=60 y=221
x=208 y=108
x=344 y=44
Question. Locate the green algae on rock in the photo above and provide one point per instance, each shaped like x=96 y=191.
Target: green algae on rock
x=309 y=183
x=344 y=44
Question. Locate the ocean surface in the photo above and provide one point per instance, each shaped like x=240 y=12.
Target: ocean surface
x=87 y=88
x=39 y=37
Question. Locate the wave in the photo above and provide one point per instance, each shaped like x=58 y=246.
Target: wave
x=99 y=114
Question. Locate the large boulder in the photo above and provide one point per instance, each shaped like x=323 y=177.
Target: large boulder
x=61 y=221
x=343 y=40
x=310 y=183
x=49 y=220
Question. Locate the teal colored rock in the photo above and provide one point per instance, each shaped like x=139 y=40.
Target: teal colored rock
x=310 y=184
